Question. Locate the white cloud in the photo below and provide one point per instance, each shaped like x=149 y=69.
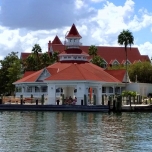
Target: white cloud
x=146 y=49
x=97 y=1
x=98 y=26
x=79 y=4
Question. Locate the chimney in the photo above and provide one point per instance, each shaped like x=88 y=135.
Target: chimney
x=49 y=45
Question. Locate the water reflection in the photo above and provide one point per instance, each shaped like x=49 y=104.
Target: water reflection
x=75 y=131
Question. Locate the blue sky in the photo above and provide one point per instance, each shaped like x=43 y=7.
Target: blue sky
x=24 y=23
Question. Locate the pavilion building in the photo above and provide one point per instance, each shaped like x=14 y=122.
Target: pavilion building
x=74 y=76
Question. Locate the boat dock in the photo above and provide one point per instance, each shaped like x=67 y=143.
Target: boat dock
x=84 y=108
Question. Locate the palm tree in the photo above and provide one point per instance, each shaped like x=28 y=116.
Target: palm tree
x=36 y=50
x=126 y=38
x=93 y=50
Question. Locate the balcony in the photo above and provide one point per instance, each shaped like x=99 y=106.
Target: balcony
x=72 y=44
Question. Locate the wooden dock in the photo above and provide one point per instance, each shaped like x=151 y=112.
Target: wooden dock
x=90 y=108
x=137 y=108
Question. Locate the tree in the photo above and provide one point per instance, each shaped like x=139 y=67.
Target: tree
x=93 y=51
x=97 y=60
x=126 y=38
x=140 y=72
x=45 y=60
x=54 y=57
x=30 y=63
x=10 y=72
x=36 y=50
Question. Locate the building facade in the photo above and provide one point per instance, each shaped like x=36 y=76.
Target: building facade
x=74 y=77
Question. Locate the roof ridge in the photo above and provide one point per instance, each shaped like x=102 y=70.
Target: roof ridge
x=89 y=71
x=80 y=71
x=61 y=70
x=103 y=70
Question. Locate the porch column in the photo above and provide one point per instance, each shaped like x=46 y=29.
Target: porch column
x=51 y=94
x=80 y=93
x=113 y=89
x=99 y=95
x=23 y=89
x=86 y=93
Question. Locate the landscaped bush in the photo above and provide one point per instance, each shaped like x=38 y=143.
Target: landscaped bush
x=129 y=93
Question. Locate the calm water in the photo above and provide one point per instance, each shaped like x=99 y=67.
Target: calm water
x=75 y=132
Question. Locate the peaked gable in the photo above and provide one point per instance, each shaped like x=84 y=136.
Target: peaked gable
x=73 y=32
x=30 y=78
x=45 y=73
x=119 y=74
x=56 y=40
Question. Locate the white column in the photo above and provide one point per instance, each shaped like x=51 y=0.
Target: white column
x=113 y=89
x=23 y=89
x=120 y=90
x=51 y=94
x=99 y=95
x=86 y=93
x=80 y=93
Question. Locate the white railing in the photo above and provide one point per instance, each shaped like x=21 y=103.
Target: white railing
x=75 y=58
x=72 y=44
x=28 y=94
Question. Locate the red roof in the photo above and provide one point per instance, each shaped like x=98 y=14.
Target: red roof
x=28 y=73
x=30 y=78
x=74 y=51
x=119 y=74
x=108 y=53
x=56 y=40
x=72 y=71
x=24 y=55
x=73 y=32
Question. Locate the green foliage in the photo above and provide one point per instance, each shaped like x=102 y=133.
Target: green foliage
x=97 y=60
x=37 y=60
x=142 y=71
x=129 y=93
x=36 y=49
x=45 y=60
x=93 y=50
x=30 y=63
x=125 y=38
x=10 y=72
x=116 y=67
x=54 y=57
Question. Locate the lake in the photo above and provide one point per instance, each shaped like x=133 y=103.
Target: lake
x=75 y=132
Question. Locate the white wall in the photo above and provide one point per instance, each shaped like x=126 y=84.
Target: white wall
x=141 y=88
x=51 y=94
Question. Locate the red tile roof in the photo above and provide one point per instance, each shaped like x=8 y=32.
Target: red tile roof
x=72 y=71
x=74 y=51
x=119 y=74
x=28 y=73
x=24 y=55
x=56 y=40
x=83 y=71
x=73 y=32
x=106 y=52
x=30 y=78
